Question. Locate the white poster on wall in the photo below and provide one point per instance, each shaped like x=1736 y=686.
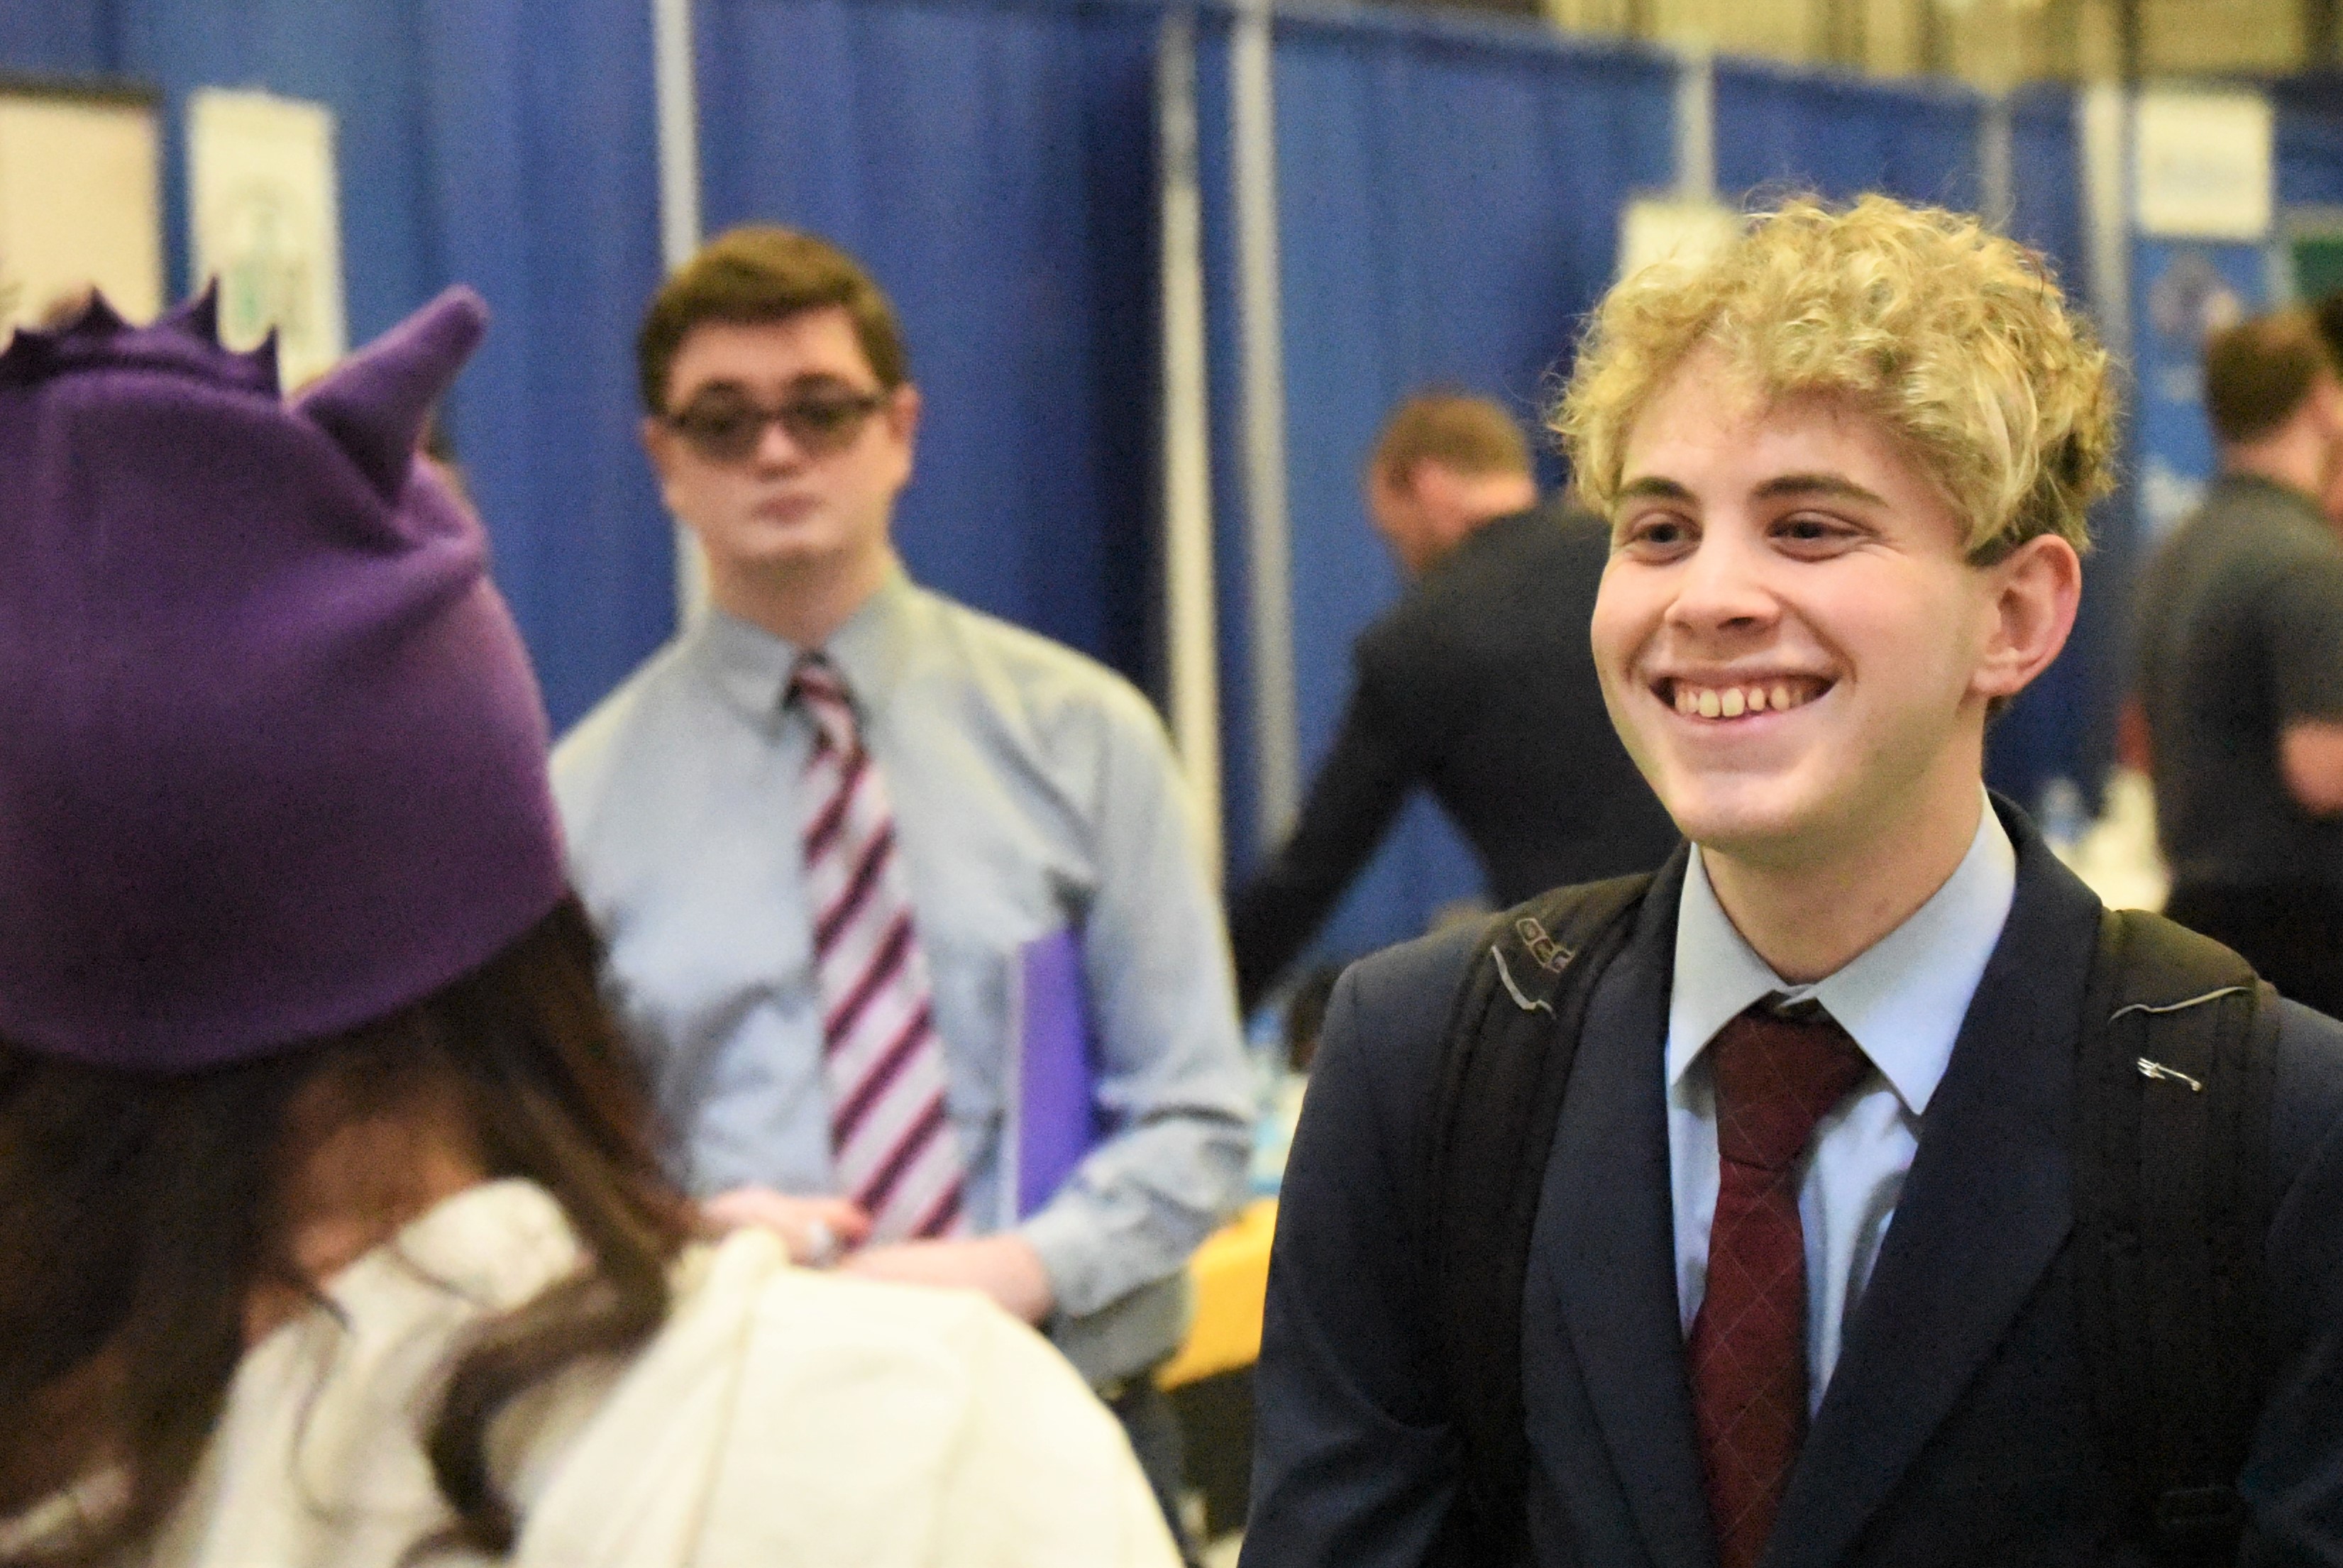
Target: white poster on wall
x=79 y=206
x=264 y=219
x=2202 y=165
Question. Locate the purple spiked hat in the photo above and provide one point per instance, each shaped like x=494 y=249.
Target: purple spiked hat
x=272 y=761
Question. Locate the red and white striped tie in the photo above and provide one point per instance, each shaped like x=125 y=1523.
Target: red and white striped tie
x=891 y=1146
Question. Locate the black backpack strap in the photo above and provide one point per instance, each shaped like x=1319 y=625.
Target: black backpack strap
x=2172 y=1207
x=1505 y=1063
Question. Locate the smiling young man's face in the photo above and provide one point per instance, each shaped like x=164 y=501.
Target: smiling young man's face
x=1792 y=642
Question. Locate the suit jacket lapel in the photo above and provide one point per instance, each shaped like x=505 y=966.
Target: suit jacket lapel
x=1605 y=1243
x=1984 y=1211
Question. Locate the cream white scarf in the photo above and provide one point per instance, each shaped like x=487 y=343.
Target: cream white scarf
x=782 y=1417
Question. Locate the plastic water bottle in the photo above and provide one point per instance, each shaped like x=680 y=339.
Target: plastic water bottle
x=1272 y=1132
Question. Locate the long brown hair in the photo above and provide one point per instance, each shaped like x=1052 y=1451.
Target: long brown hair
x=140 y=1214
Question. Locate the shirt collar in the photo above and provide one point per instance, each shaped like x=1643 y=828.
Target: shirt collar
x=1902 y=999
x=750 y=667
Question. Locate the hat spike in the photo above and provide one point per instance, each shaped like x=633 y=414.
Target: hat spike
x=99 y=318
x=198 y=315
x=374 y=403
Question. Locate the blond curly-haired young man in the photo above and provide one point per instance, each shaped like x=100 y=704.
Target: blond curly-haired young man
x=1801 y=1287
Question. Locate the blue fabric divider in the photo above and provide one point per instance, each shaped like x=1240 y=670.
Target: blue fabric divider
x=57 y=37
x=2310 y=148
x=1449 y=194
x=2063 y=725
x=1779 y=130
x=543 y=170
x=993 y=164
x=506 y=143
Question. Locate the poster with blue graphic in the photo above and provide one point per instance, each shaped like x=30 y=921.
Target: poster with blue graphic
x=2183 y=289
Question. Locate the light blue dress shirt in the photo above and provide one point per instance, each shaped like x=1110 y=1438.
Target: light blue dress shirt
x=1903 y=1000
x=1034 y=792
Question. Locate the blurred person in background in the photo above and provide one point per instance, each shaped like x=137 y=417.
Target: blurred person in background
x=1478 y=685
x=2329 y=314
x=2240 y=668
x=336 y=1235
x=838 y=833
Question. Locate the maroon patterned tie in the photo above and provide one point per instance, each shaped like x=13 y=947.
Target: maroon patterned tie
x=1775 y=1078
x=892 y=1145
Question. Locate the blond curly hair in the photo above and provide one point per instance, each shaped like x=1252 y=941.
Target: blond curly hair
x=1956 y=338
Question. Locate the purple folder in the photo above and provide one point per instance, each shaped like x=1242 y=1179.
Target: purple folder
x=1057 y=1099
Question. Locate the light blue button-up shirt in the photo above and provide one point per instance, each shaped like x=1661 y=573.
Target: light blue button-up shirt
x=1034 y=792
x=1903 y=1000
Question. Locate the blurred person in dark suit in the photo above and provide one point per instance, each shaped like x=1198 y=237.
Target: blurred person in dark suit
x=1479 y=685
x=2329 y=314
x=2240 y=674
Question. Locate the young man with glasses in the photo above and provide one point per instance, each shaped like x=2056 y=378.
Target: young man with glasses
x=854 y=847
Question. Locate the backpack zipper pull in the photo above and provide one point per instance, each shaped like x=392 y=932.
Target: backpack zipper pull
x=2157 y=1069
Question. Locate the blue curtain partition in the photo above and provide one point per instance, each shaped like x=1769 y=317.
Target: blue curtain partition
x=1780 y=130
x=60 y=38
x=542 y=161
x=2310 y=140
x=506 y=143
x=1448 y=199
x=2063 y=726
x=1448 y=202
x=992 y=162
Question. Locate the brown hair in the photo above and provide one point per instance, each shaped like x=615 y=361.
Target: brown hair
x=761 y=272
x=1467 y=434
x=139 y=1214
x=2329 y=315
x=2257 y=373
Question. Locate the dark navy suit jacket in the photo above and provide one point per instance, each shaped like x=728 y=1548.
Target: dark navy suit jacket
x=1480 y=685
x=1956 y=1428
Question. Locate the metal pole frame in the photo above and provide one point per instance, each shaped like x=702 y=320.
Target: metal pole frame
x=1190 y=627
x=678 y=100
x=1269 y=543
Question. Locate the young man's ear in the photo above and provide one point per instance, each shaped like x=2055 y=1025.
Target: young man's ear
x=902 y=413
x=2036 y=589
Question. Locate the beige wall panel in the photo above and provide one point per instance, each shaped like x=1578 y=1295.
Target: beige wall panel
x=1893 y=37
x=1781 y=29
x=80 y=203
x=1994 y=44
x=1605 y=16
x=2188 y=37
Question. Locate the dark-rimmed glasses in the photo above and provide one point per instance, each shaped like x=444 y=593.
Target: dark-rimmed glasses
x=730 y=430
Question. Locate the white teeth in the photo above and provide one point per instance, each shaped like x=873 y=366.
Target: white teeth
x=1733 y=701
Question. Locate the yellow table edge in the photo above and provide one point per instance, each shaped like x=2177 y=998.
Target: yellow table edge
x=1231 y=1272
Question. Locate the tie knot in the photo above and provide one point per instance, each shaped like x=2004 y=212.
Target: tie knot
x=1776 y=1076
x=817 y=686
